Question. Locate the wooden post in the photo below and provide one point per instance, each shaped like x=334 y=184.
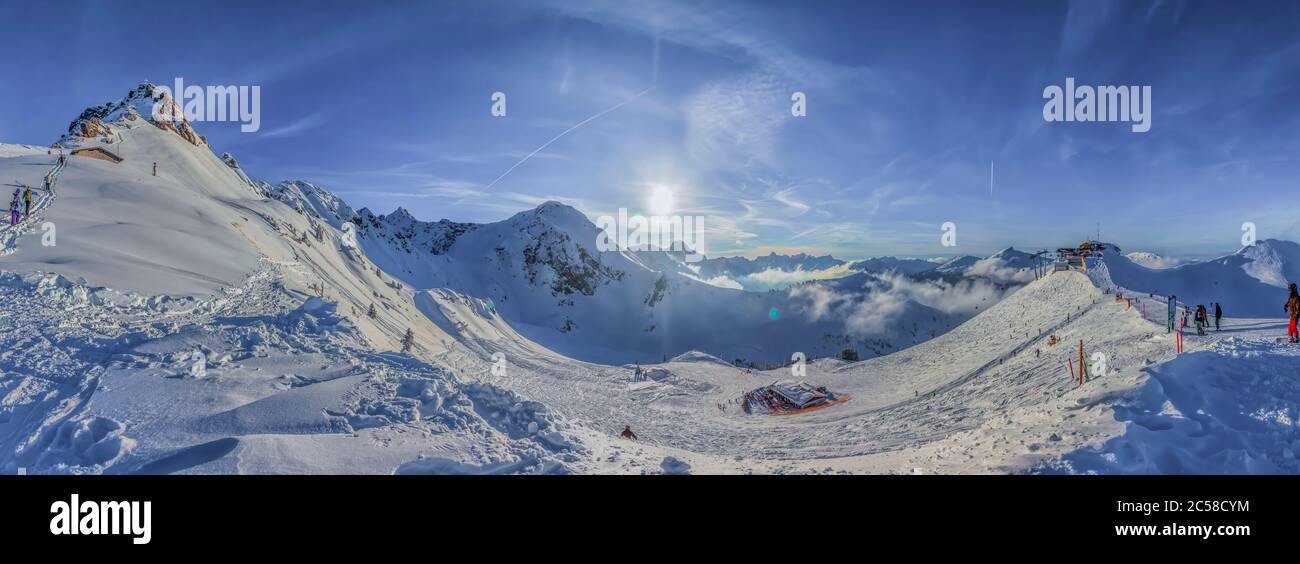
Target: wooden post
x=1081 y=365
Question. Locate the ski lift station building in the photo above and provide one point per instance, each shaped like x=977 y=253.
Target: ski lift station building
x=1072 y=258
x=98 y=153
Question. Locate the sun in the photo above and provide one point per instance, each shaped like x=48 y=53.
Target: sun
x=661 y=200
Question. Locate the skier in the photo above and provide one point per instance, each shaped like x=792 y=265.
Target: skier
x=155 y=169
x=27 y=199
x=1218 y=314
x=13 y=207
x=1293 y=307
x=627 y=433
x=1200 y=319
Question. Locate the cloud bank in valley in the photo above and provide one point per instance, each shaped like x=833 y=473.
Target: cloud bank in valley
x=883 y=300
x=775 y=278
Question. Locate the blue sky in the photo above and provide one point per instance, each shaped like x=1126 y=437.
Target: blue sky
x=388 y=104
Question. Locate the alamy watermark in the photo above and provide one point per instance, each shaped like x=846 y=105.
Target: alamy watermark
x=948 y=236
x=77 y=517
x=239 y=104
x=677 y=233
x=1102 y=103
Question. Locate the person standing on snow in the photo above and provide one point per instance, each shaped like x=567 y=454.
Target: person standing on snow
x=1293 y=308
x=27 y=199
x=1201 y=319
x=13 y=207
x=1218 y=314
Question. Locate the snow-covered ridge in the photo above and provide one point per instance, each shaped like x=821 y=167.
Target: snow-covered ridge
x=958 y=264
x=889 y=263
x=8 y=150
x=1248 y=283
x=230 y=161
x=735 y=267
x=1273 y=262
x=307 y=198
x=1153 y=260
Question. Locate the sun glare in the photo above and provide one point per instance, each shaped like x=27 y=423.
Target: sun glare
x=661 y=200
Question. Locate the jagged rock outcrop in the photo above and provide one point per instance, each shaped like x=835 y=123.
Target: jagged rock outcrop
x=146 y=101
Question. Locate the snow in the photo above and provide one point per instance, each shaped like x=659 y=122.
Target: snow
x=125 y=398
x=1229 y=408
x=957 y=264
x=101 y=333
x=10 y=150
x=531 y=350
x=1153 y=261
x=118 y=222
x=959 y=382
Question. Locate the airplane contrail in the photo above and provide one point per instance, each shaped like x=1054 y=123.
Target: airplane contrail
x=562 y=134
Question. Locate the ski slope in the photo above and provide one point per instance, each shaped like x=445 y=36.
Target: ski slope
x=977 y=378
x=101 y=334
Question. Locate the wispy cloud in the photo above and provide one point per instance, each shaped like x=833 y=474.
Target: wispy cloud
x=301 y=125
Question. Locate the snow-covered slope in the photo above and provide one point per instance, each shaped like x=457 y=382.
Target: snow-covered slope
x=1228 y=408
x=8 y=150
x=1007 y=265
x=1273 y=262
x=1012 y=258
x=187 y=322
x=307 y=198
x=1153 y=260
x=118 y=224
x=1249 y=283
